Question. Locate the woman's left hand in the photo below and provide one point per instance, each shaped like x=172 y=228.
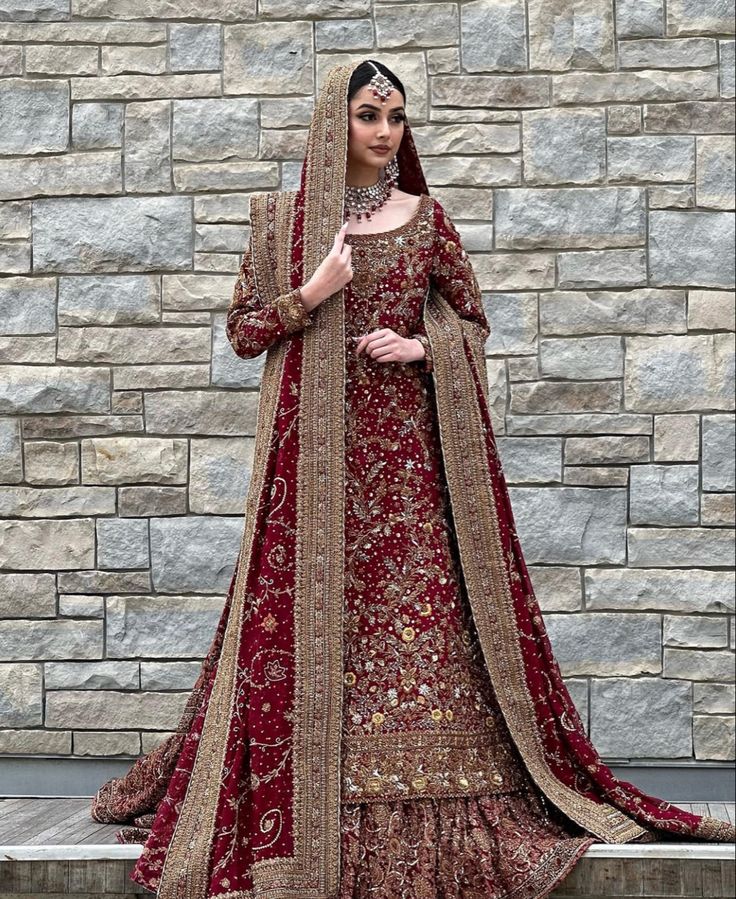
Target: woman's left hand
x=385 y=345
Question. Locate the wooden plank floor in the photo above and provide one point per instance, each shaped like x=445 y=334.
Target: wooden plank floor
x=52 y=849
x=52 y=822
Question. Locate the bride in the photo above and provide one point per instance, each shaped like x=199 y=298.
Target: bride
x=380 y=713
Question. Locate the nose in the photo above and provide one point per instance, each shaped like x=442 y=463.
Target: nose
x=383 y=129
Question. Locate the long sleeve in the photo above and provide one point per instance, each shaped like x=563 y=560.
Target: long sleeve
x=252 y=325
x=453 y=275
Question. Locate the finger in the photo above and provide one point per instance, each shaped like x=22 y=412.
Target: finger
x=340 y=236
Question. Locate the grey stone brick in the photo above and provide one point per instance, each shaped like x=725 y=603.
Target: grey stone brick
x=592 y=217
x=35 y=115
x=148 y=147
x=715 y=180
x=689 y=53
x=415 y=25
x=580 y=358
x=664 y=494
x=494 y=36
x=651 y=158
x=714 y=737
x=268 y=58
x=122 y=543
x=571 y=34
x=513 y=321
x=639 y=18
x=653 y=589
x=691 y=248
x=564 y=146
x=697 y=17
x=97 y=126
x=113 y=675
x=671 y=547
x=343 y=34
x=195 y=48
x=606 y=644
x=695 y=631
x=614 y=450
x=215 y=129
x=614 y=312
x=112 y=234
x=691 y=116
x=718 y=452
x=726 y=51
x=21 y=699
x=531 y=459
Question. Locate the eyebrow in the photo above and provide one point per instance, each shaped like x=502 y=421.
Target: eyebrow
x=371 y=106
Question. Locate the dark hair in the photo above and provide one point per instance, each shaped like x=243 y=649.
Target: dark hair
x=363 y=73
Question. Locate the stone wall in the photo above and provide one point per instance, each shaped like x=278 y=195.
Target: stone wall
x=583 y=147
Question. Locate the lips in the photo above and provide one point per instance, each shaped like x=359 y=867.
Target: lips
x=380 y=149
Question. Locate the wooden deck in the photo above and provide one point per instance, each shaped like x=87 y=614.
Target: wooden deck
x=51 y=848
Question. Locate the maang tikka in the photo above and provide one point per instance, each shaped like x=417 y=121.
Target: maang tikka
x=380 y=85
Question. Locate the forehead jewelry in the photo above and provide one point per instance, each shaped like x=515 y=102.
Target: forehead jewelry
x=380 y=85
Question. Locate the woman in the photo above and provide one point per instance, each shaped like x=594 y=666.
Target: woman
x=380 y=713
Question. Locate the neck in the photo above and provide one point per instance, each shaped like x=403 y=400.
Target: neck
x=357 y=175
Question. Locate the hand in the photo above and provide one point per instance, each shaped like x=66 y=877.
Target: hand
x=332 y=274
x=386 y=345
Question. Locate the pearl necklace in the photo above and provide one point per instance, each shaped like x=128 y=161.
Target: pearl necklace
x=367 y=200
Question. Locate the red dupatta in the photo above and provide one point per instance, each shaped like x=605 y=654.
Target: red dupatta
x=247 y=793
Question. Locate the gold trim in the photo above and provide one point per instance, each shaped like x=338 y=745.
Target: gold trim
x=483 y=564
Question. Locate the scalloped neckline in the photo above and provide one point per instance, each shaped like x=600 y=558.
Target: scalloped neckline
x=409 y=223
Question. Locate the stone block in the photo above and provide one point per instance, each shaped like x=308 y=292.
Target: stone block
x=644 y=86
x=118 y=60
x=50 y=463
x=145 y=87
x=35 y=742
x=531 y=459
x=714 y=737
x=81 y=606
x=313 y=9
x=21 y=699
x=715 y=179
x=676 y=438
x=718 y=453
x=639 y=18
x=268 y=58
x=564 y=146
x=212 y=413
x=689 y=590
x=700 y=664
x=500 y=91
x=472 y=171
x=108 y=299
x=209 y=176
x=15 y=220
x=109 y=675
x=591 y=423
x=698 y=17
x=53 y=639
x=195 y=48
x=594 y=217
x=590 y=476
x=416 y=26
x=111 y=710
x=606 y=644
x=101 y=743
x=215 y=129
x=711 y=310
x=718 y=509
x=689 y=53
x=164 y=9
x=27 y=305
x=671 y=547
x=671 y=196
x=213 y=542
x=664 y=494
x=97 y=172
x=161 y=626
x=581 y=358
x=614 y=450
x=699 y=631
x=97 y=126
x=623 y=119
x=50 y=59
x=219 y=475
x=642 y=718
x=691 y=116
x=112 y=234
x=514 y=271
x=35 y=115
x=571 y=34
x=618 y=312
x=727 y=53
x=678 y=373
x=651 y=158
x=513 y=321
x=565 y=396
x=148 y=147
x=691 y=249
x=591 y=524
x=493 y=36
x=122 y=543
x=469 y=138
x=169 y=675
x=27 y=596
x=714 y=699
x=126 y=460
x=557 y=588
x=343 y=34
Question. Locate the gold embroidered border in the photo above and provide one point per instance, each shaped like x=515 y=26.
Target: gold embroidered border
x=483 y=565
x=715 y=829
x=416 y=765
x=314 y=870
x=185 y=873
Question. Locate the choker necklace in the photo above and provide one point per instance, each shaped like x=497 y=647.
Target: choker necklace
x=367 y=200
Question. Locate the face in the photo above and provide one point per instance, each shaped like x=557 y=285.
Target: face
x=375 y=128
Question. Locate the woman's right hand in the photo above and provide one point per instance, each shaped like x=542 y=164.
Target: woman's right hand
x=332 y=274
